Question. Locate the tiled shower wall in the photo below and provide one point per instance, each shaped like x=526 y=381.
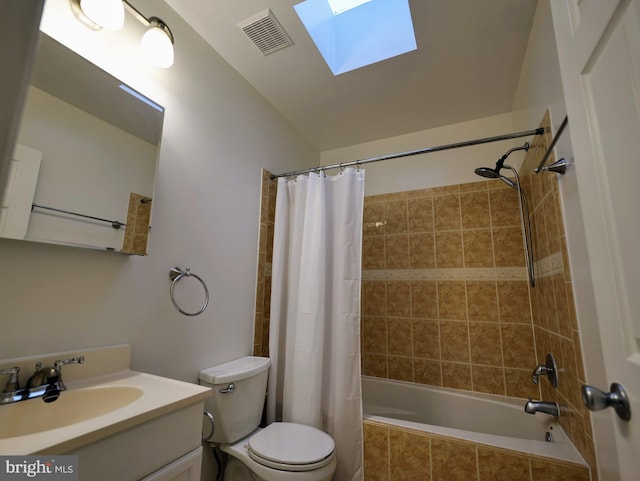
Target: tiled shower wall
x=445 y=298
x=265 y=253
x=553 y=308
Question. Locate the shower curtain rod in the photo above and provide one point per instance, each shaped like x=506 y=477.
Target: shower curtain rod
x=428 y=150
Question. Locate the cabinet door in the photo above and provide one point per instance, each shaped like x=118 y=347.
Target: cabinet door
x=186 y=468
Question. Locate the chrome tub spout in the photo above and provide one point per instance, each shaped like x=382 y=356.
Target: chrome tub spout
x=533 y=407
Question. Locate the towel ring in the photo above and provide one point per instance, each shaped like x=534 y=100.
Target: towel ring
x=175 y=274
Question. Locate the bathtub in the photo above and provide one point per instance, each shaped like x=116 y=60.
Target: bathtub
x=486 y=419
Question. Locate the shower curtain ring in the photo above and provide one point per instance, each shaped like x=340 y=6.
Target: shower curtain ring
x=358 y=165
x=324 y=173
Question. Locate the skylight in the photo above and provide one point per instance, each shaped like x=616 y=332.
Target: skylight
x=339 y=6
x=354 y=33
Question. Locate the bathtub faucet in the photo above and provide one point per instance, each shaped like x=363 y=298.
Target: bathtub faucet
x=533 y=407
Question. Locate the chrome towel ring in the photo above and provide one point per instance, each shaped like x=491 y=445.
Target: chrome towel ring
x=175 y=274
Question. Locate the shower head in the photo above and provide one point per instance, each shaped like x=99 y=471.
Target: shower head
x=487 y=172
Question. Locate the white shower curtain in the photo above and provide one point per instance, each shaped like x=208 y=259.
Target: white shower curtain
x=314 y=338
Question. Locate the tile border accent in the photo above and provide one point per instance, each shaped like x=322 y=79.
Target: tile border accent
x=451 y=274
x=550 y=265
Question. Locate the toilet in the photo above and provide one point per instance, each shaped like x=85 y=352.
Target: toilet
x=279 y=452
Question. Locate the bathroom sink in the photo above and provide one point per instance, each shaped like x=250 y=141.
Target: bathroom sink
x=73 y=406
x=106 y=404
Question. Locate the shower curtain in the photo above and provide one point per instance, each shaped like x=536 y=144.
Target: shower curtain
x=314 y=336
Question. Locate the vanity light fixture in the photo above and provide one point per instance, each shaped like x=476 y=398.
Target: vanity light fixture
x=97 y=14
x=156 y=44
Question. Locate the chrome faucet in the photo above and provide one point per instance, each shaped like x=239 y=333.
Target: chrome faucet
x=45 y=382
x=533 y=407
x=13 y=384
x=548 y=369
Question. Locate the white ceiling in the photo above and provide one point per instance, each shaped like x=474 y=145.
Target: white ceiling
x=467 y=66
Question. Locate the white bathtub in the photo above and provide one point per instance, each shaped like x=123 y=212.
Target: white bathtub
x=476 y=417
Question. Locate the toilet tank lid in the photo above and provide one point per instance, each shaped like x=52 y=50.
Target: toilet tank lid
x=235 y=370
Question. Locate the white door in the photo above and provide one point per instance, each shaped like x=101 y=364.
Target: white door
x=15 y=208
x=599 y=51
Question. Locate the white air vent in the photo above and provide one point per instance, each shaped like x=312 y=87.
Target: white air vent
x=265 y=32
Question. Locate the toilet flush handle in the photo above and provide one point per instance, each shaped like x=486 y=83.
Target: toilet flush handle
x=230 y=388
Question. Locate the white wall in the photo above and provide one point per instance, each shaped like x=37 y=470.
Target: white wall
x=218 y=133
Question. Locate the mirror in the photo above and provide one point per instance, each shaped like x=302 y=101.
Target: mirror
x=84 y=166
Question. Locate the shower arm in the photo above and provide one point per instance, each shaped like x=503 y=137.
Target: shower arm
x=500 y=164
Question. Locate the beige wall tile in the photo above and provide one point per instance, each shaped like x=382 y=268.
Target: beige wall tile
x=508 y=247
x=424 y=299
x=376 y=452
x=452 y=303
x=373 y=253
x=543 y=470
x=373 y=220
x=399 y=337
x=374 y=365
x=449 y=250
x=453 y=461
x=395 y=217
x=478 y=248
x=475 y=210
x=446 y=212
x=397 y=251
x=410 y=457
x=427 y=371
x=497 y=465
x=485 y=343
x=398 y=299
x=422 y=251
x=505 y=210
x=374 y=335
x=400 y=368
x=456 y=375
x=518 y=349
x=374 y=298
x=488 y=379
x=482 y=301
x=454 y=341
x=420 y=215
x=426 y=339
x=518 y=384
x=513 y=298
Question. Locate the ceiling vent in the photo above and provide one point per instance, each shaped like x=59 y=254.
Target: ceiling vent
x=265 y=32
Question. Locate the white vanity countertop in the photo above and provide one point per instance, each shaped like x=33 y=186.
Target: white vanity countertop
x=129 y=398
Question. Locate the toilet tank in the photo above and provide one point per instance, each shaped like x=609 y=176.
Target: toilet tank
x=239 y=389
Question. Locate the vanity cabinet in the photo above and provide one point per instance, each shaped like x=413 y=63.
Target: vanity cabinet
x=166 y=448
x=187 y=468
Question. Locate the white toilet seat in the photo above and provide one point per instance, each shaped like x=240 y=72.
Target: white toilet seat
x=274 y=466
x=291 y=447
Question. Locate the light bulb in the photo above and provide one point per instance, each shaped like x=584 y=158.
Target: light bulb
x=156 y=45
x=107 y=14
